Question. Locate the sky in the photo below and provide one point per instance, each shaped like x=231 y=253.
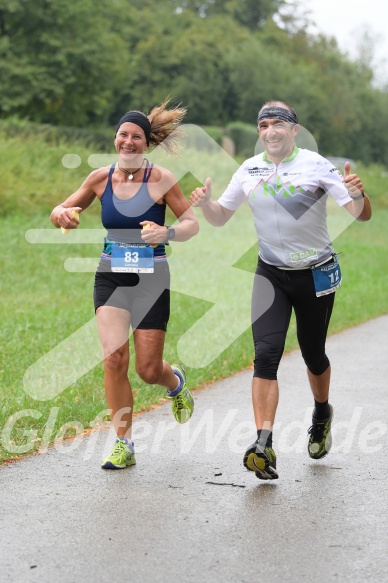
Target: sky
x=347 y=19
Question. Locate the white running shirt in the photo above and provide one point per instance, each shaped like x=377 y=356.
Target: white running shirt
x=289 y=205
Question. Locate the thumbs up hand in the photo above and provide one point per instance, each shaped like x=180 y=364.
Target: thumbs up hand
x=201 y=196
x=347 y=169
x=353 y=183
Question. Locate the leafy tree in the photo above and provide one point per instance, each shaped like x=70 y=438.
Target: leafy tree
x=250 y=13
x=60 y=62
x=84 y=63
x=183 y=57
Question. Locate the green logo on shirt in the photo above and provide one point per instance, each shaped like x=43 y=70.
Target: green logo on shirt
x=303 y=255
x=279 y=189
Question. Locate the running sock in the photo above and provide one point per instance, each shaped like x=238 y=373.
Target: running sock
x=127 y=441
x=321 y=410
x=180 y=385
x=264 y=437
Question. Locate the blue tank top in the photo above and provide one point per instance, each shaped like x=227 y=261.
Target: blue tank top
x=121 y=218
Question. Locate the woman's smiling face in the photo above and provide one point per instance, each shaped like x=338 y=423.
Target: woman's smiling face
x=130 y=140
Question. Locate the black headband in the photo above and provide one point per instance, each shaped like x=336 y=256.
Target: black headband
x=275 y=112
x=140 y=120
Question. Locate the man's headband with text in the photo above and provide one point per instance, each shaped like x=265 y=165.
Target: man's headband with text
x=275 y=112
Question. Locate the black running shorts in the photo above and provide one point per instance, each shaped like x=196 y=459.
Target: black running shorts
x=146 y=296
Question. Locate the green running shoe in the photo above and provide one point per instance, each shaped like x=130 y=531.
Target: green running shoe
x=182 y=402
x=262 y=461
x=320 y=441
x=121 y=457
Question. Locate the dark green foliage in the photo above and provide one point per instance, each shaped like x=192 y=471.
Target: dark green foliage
x=244 y=136
x=215 y=133
x=100 y=140
x=61 y=61
x=83 y=64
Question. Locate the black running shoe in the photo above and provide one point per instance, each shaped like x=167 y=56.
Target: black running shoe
x=262 y=461
x=320 y=441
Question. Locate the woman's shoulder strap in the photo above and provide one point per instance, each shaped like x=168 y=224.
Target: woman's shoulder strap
x=148 y=170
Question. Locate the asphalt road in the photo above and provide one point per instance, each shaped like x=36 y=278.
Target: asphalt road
x=190 y=512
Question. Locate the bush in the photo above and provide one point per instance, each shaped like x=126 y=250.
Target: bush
x=244 y=136
x=198 y=140
x=100 y=139
x=215 y=133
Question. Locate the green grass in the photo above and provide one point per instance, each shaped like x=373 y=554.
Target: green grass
x=43 y=304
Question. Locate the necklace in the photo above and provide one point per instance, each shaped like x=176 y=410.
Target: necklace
x=128 y=172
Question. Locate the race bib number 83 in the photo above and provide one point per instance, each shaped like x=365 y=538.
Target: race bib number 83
x=132 y=258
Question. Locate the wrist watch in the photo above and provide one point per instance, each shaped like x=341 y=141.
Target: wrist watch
x=359 y=196
x=170 y=233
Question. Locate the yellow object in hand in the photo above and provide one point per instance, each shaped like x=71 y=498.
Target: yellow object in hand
x=67 y=231
x=147 y=226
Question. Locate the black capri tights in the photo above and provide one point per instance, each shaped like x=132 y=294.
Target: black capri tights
x=290 y=289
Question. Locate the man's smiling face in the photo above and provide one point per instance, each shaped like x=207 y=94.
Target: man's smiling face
x=277 y=137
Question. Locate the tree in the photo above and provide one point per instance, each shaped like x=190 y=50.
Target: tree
x=85 y=63
x=250 y=13
x=60 y=62
x=184 y=57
